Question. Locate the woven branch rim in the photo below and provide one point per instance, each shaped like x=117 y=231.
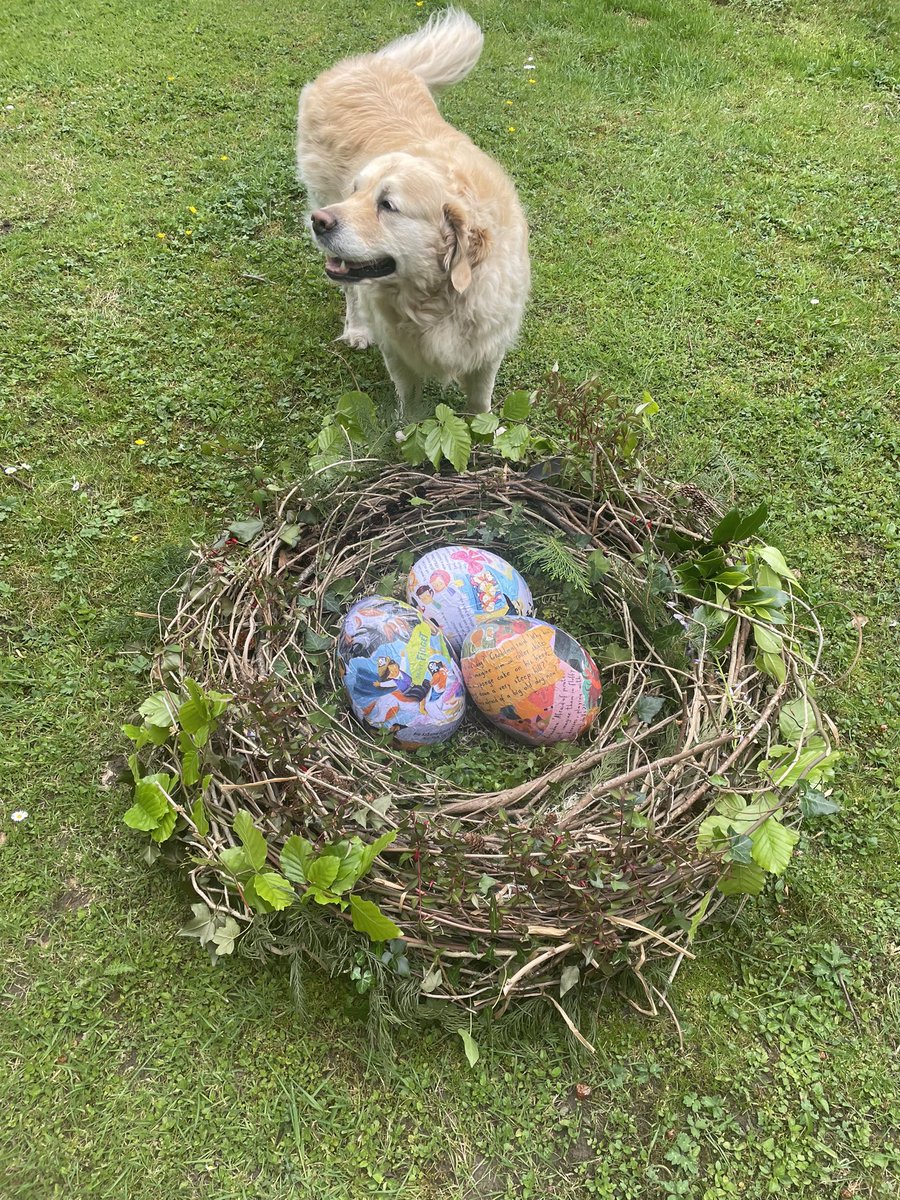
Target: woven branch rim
x=240 y=615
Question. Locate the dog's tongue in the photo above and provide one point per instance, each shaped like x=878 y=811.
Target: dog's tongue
x=337 y=266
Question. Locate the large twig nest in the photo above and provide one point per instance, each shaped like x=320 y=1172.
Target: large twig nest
x=588 y=862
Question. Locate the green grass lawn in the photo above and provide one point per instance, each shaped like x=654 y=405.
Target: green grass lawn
x=713 y=195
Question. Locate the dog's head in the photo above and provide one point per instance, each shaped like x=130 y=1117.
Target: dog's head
x=402 y=221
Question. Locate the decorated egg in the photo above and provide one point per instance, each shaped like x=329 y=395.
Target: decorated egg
x=458 y=587
x=399 y=672
x=531 y=679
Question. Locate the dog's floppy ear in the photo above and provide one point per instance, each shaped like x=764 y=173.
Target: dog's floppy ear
x=464 y=246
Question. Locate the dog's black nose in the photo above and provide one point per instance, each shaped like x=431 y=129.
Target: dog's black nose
x=323 y=221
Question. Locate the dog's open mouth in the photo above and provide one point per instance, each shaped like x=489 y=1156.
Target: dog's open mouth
x=344 y=271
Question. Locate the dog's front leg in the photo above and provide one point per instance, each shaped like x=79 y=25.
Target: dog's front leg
x=408 y=384
x=478 y=386
x=356 y=332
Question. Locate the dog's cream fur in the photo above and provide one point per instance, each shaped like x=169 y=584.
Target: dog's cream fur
x=399 y=183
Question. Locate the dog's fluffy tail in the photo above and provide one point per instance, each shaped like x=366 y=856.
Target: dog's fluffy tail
x=442 y=52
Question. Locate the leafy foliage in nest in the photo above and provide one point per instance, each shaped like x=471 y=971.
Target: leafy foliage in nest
x=481 y=870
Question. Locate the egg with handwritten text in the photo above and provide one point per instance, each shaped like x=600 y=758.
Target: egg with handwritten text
x=458 y=587
x=399 y=672
x=531 y=679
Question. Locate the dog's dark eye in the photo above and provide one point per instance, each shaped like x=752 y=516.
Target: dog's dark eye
x=386 y=205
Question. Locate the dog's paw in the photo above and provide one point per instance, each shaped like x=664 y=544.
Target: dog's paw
x=356 y=339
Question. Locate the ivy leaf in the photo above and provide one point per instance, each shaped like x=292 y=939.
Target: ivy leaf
x=290 y=535
x=814 y=803
x=471 y=1047
x=648 y=707
x=273 y=888
x=773 y=845
x=245 y=531
x=432 y=980
x=570 y=976
x=202 y=925
x=517 y=406
x=296 y=856
x=598 y=565
x=159 y=709
x=740 y=847
x=368 y=918
x=316 y=642
x=323 y=871
x=252 y=840
x=797 y=720
x=456 y=441
x=225 y=936
x=742 y=880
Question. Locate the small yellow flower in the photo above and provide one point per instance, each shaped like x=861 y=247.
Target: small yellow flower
x=223 y=158
x=135 y=537
x=532 y=81
x=191 y=209
x=419 y=3
x=509 y=103
x=189 y=232
x=161 y=236
x=512 y=129
x=170 y=79
x=140 y=441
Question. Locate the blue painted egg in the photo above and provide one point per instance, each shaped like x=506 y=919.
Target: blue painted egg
x=399 y=672
x=458 y=587
x=531 y=679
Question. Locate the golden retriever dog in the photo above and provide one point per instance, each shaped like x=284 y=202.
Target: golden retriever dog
x=423 y=231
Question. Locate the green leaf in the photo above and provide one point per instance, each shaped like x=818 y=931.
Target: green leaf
x=166 y=826
x=484 y=424
x=235 y=861
x=598 y=565
x=432 y=980
x=202 y=925
x=356 y=412
x=797 y=720
x=195 y=718
x=773 y=845
x=724 y=531
x=775 y=559
x=432 y=432
x=159 y=709
x=750 y=524
x=273 y=888
x=323 y=871
x=456 y=441
x=290 y=534
x=137 y=817
x=647 y=708
x=225 y=936
x=814 y=803
x=741 y=880
x=245 y=531
x=471 y=1047
x=412 y=448
x=152 y=794
x=570 y=976
x=190 y=761
x=614 y=653
x=371 y=852
x=513 y=443
x=768 y=641
x=296 y=856
x=517 y=406
x=349 y=871
x=740 y=847
x=772 y=665
x=418 y=651
x=368 y=918
x=199 y=817
x=252 y=840
x=316 y=642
